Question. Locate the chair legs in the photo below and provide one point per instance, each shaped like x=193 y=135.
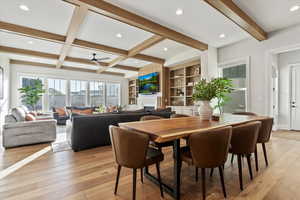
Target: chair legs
x=240 y=171
x=265 y=153
x=159 y=180
x=117 y=179
x=222 y=181
x=249 y=166
x=256 y=159
x=203 y=183
x=196 y=170
x=142 y=176
x=134 y=184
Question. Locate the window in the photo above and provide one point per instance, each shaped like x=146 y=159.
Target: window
x=57 y=93
x=239 y=76
x=97 y=93
x=113 y=94
x=78 y=93
x=29 y=81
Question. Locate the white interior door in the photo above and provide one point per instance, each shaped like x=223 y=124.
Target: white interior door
x=295 y=98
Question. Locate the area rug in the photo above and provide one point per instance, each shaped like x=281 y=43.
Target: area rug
x=290 y=135
x=60 y=146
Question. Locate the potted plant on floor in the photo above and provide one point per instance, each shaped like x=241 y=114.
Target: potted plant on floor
x=32 y=93
x=204 y=91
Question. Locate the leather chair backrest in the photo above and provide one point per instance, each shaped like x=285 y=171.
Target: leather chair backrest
x=150 y=117
x=130 y=148
x=245 y=113
x=178 y=115
x=210 y=149
x=244 y=137
x=265 y=130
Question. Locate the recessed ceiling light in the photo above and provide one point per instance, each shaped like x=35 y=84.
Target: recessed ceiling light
x=119 y=35
x=30 y=42
x=179 y=11
x=294 y=8
x=165 y=49
x=24 y=7
x=222 y=35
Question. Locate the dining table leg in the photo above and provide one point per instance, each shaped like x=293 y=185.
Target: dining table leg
x=177 y=168
x=172 y=189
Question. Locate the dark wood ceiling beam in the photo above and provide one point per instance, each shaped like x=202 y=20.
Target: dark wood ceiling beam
x=230 y=10
x=122 y=15
x=38 y=54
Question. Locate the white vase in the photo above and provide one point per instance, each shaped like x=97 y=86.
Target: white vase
x=205 y=110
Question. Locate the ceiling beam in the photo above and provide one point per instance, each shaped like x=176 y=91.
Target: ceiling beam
x=122 y=15
x=230 y=10
x=77 y=19
x=38 y=54
x=44 y=65
x=135 y=50
x=22 y=30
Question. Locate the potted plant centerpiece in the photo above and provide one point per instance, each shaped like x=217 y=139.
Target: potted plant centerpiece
x=204 y=91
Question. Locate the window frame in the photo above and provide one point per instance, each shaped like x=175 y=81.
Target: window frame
x=247 y=88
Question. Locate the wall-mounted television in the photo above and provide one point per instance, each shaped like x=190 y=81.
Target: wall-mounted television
x=149 y=83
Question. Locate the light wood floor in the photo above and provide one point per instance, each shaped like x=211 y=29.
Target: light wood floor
x=90 y=175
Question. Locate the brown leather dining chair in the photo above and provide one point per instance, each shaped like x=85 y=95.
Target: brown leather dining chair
x=157 y=145
x=131 y=151
x=208 y=149
x=264 y=137
x=243 y=142
x=242 y=113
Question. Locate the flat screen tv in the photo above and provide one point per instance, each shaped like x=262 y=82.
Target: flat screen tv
x=149 y=83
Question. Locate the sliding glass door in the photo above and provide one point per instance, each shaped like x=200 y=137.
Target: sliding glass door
x=57 y=90
x=78 y=93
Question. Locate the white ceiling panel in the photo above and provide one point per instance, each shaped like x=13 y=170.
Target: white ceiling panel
x=22 y=42
x=88 y=54
x=199 y=20
x=103 y=30
x=168 y=49
x=48 y=15
x=134 y=62
x=271 y=14
x=29 y=58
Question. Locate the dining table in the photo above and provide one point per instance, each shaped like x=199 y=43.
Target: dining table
x=174 y=129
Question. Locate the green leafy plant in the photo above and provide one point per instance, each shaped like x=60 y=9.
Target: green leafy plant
x=32 y=93
x=223 y=88
x=101 y=109
x=218 y=89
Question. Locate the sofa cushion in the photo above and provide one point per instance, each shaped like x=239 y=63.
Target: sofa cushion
x=10 y=119
x=88 y=111
x=19 y=114
x=61 y=111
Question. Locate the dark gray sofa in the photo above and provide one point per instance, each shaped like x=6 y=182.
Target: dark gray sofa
x=89 y=131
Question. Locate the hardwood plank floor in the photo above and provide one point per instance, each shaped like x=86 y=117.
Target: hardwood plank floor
x=90 y=175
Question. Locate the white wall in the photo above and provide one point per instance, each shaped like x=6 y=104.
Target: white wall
x=19 y=70
x=260 y=72
x=284 y=61
x=4 y=103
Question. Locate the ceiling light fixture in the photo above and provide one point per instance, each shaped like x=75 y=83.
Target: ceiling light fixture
x=179 y=11
x=24 y=7
x=222 y=35
x=165 y=49
x=294 y=8
x=119 y=35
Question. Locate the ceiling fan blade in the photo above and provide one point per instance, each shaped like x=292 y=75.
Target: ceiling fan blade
x=106 y=58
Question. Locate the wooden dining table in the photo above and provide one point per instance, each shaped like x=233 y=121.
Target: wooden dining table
x=165 y=130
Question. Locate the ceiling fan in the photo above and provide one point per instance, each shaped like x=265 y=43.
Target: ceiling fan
x=97 y=60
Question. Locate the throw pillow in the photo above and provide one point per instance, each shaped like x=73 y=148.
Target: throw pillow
x=29 y=117
x=163 y=109
x=83 y=112
x=61 y=111
x=25 y=109
x=19 y=114
x=33 y=113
